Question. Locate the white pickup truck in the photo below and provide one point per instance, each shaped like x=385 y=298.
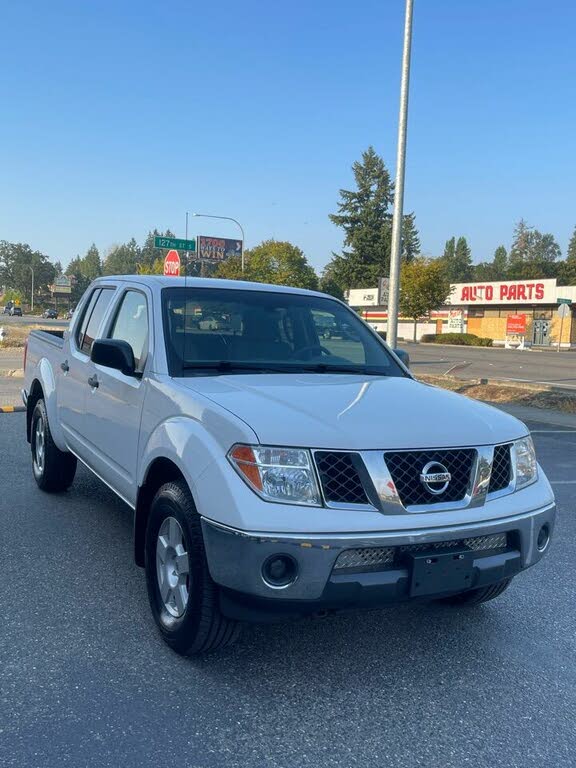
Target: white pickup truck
x=275 y=472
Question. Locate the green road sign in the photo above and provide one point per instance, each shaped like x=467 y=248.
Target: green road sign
x=564 y=301
x=176 y=243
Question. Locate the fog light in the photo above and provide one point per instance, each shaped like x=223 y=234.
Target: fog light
x=543 y=537
x=279 y=571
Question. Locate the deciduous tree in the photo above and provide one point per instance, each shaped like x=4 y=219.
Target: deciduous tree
x=273 y=261
x=424 y=286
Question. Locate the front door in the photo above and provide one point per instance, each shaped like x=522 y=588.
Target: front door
x=114 y=403
x=72 y=369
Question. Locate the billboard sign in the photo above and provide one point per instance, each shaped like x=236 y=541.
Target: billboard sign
x=218 y=248
x=516 y=325
x=504 y=292
x=62 y=285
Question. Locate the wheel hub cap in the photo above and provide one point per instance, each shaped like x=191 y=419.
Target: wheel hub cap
x=39 y=445
x=172 y=567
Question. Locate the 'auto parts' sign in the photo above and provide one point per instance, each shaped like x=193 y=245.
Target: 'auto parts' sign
x=504 y=292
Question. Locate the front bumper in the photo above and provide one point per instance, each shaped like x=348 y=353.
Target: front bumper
x=235 y=560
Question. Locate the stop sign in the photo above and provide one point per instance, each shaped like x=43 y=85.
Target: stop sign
x=172 y=264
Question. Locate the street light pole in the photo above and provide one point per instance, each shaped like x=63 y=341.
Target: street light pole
x=226 y=218
x=32 y=296
x=395 y=251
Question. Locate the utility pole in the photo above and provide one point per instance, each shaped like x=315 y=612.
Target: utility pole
x=396 y=248
x=32 y=296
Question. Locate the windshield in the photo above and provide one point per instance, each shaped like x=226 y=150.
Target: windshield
x=213 y=330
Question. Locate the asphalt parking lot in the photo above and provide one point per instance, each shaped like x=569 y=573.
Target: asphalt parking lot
x=534 y=366
x=86 y=681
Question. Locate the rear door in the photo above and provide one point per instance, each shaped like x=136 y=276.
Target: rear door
x=72 y=369
x=114 y=407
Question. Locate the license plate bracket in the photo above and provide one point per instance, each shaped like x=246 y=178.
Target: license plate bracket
x=436 y=573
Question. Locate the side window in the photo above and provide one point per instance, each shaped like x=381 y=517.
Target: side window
x=95 y=319
x=131 y=325
x=81 y=327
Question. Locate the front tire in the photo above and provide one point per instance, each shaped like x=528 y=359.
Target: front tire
x=182 y=595
x=478 y=596
x=53 y=469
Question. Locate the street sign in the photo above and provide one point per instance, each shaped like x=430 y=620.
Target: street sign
x=218 y=248
x=176 y=243
x=172 y=264
x=516 y=325
x=564 y=301
x=563 y=310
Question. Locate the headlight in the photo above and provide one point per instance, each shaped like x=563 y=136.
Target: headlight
x=526 y=466
x=277 y=474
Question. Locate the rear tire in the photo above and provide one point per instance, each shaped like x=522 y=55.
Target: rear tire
x=478 y=596
x=53 y=469
x=183 y=598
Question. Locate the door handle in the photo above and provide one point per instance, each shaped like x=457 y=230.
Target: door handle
x=65 y=367
x=93 y=381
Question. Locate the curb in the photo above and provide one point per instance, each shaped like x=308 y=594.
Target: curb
x=12 y=409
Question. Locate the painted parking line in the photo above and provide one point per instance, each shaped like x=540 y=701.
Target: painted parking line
x=562 y=482
x=12 y=409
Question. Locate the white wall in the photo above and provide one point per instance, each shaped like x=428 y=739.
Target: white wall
x=406 y=330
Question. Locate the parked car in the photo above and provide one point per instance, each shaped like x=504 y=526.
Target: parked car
x=6 y=310
x=16 y=312
x=50 y=314
x=273 y=475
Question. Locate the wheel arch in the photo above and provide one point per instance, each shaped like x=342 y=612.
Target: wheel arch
x=36 y=393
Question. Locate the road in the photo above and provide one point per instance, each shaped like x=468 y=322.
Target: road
x=481 y=362
x=32 y=320
x=86 y=681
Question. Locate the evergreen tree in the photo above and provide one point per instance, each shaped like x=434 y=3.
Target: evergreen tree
x=410 y=239
x=457 y=260
x=500 y=263
x=533 y=254
x=90 y=265
x=122 y=259
x=365 y=216
x=519 y=252
x=567 y=269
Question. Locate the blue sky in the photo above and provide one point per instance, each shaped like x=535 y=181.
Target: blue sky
x=120 y=116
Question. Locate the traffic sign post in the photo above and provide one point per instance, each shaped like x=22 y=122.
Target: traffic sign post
x=563 y=311
x=175 y=243
x=172 y=264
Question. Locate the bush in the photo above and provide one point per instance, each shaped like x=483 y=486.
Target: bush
x=465 y=339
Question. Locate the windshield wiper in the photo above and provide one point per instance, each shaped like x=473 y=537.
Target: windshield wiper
x=361 y=369
x=230 y=366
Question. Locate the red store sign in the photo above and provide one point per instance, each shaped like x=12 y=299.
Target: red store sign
x=508 y=292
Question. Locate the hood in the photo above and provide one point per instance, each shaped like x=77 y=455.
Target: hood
x=355 y=412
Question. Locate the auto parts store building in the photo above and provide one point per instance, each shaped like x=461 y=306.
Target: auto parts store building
x=496 y=310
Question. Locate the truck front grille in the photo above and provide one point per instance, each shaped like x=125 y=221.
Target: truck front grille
x=380 y=558
x=501 y=469
x=339 y=476
x=405 y=467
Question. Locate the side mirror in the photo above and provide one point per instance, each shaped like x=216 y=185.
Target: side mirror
x=404 y=356
x=114 y=353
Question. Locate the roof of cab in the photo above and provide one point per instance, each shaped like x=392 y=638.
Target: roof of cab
x=160 y=281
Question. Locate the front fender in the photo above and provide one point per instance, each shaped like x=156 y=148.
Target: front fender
x=186 y=443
